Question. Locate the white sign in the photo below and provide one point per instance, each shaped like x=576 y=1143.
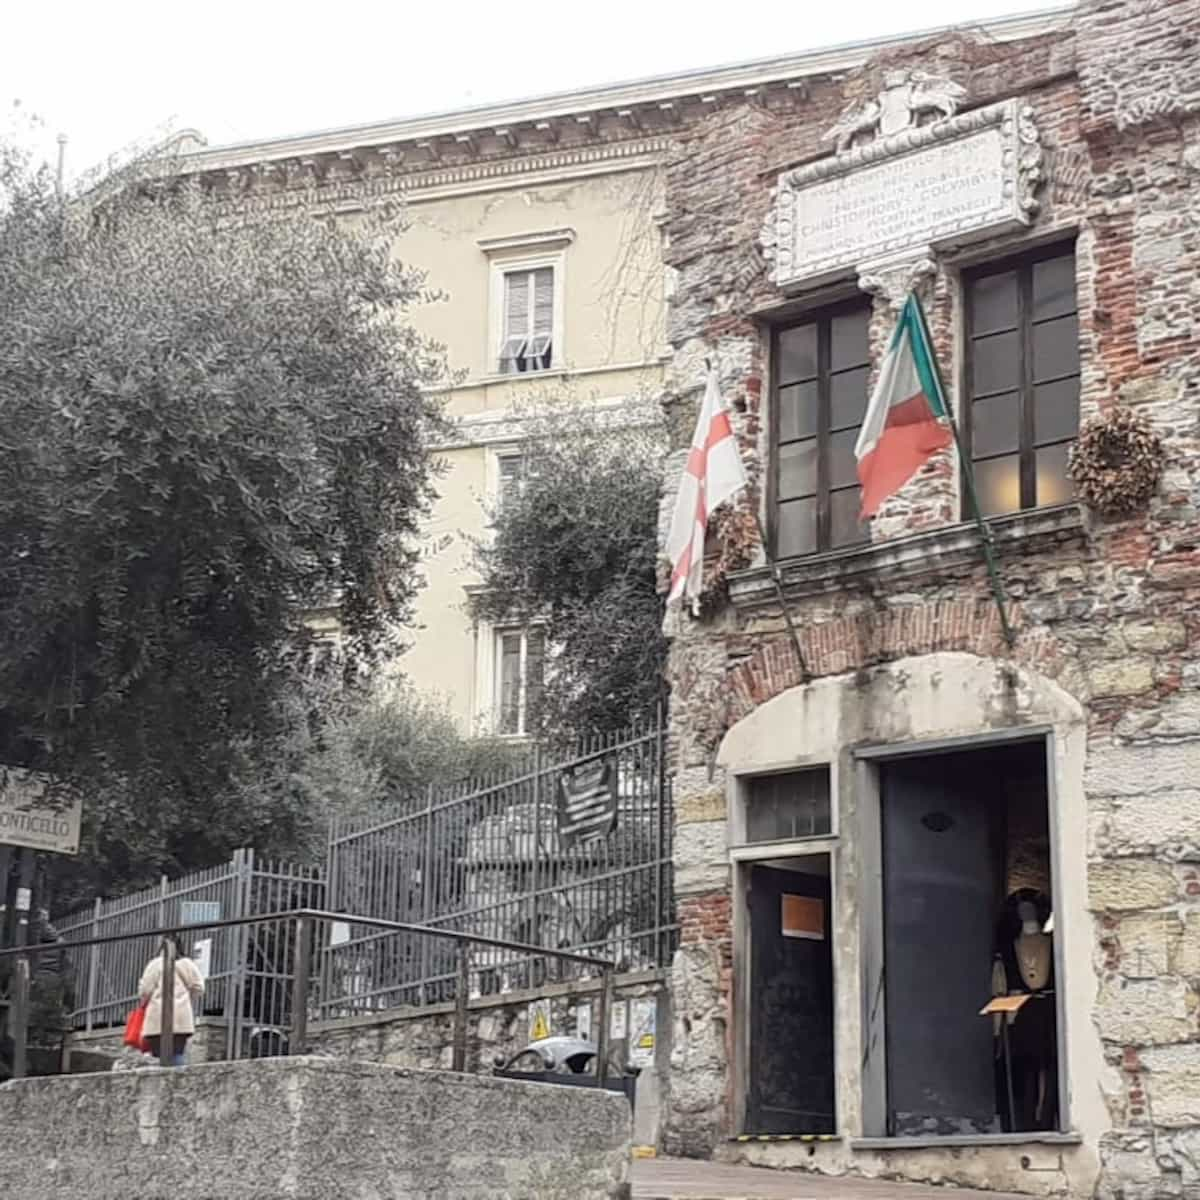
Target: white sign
x=202 y=957
x=643 y=1021
x=618 y=1025
x=199 y=912
x=583 y=1021
x=960 y=179
x=28 y=819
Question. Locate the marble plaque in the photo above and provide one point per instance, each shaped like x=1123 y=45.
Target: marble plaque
x=967 y=177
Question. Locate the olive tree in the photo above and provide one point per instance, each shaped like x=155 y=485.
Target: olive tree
x=211 y=426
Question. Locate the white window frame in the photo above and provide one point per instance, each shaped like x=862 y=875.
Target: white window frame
x=501 y=267
x=499 y=633
x=497 y=456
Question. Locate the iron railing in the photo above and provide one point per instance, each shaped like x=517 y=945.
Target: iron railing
x=240 y=960
x=502 y=862
x=298 y=933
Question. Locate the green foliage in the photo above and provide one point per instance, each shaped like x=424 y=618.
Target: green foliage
x=355 y=752
x=576 y=548
x=208 y=428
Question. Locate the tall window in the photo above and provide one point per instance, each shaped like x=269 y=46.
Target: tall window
x=520 y=659
x=820 y=391
x=528 y=326
x=1023 y=379
x=509 y=478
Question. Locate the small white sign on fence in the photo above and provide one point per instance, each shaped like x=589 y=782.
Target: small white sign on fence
x=583 y=1020
x=202 y=957
x=618 y=1022
x=643 y=1021
x=199 y=912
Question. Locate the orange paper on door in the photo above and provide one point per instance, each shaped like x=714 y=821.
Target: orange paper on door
x=803 y=917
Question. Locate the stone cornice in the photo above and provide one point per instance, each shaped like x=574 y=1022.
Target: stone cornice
x=649 y=106
x=920 y=555
x=334 y=187
x=539 y=239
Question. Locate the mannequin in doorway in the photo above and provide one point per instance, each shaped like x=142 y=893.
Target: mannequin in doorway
x=1027 y=950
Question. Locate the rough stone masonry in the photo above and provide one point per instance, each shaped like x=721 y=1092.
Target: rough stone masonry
x=309 y=1129
x=1106 y=610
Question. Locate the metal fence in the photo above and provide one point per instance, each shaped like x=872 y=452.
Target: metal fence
x=571 y=853
x=293 y=937
x=247 y=965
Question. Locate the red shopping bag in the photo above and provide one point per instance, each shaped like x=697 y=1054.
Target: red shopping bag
x=133 y=1028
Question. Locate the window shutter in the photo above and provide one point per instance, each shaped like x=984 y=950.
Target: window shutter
x=543 y=300
x=510 y=479
x=516 y=304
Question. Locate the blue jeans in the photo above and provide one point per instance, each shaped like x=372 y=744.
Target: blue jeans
x=179 y=1048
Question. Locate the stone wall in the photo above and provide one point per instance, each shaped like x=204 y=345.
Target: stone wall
x=309 y=1129
x=496 y=1026
x=98 y=1049
x=1107 y=611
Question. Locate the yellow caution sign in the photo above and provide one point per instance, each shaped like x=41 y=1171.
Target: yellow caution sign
x=539 y=1022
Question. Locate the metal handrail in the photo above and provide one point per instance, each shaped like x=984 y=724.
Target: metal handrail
x=305 y=919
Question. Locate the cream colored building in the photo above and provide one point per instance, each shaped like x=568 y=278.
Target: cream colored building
x=541 y=222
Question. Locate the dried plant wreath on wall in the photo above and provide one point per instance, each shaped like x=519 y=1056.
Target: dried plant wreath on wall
x=1117 y=462
x=736 y=533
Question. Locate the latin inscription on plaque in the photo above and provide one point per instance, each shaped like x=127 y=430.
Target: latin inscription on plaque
x=967 y=177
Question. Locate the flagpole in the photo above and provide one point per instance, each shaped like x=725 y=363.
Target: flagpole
x=773 y=567
x=985 y=530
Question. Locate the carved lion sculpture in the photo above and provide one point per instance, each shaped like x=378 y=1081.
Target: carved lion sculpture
x=905 y=95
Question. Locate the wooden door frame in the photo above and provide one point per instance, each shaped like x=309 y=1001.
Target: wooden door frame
x=743 y=860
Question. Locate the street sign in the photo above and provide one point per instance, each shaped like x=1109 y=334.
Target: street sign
x=28 y=818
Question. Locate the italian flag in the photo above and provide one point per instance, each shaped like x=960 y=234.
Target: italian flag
x=907 y=421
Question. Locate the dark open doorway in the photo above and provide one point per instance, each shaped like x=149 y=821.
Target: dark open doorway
x=791 y=998
x=966 y=926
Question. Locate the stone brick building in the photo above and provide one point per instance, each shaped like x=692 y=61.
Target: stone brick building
x=871 y=842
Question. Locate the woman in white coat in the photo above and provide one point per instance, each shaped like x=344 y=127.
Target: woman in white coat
x=189 y=985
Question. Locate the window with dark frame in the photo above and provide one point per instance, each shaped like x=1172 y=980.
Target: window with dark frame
x=1022 y=379
x=821 y=370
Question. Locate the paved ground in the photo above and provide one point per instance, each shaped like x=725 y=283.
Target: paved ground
x=680 y=1179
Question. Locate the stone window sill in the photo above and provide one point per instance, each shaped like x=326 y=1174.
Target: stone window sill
x=934 y=1142
x=908 y=558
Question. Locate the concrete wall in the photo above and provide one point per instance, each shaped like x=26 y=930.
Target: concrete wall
x=308 y=1129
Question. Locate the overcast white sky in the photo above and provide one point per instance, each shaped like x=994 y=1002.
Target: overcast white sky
x=106 y=72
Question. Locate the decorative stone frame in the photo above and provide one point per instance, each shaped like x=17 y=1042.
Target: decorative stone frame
x=951 y=704
x=525 y=252
x=1014 y=206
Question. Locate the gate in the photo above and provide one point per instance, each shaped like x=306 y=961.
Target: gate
x=571 y=853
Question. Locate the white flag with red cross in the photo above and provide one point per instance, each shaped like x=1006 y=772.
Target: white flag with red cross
x=714 y=472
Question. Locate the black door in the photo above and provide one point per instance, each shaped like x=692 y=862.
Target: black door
x=940 y=880
x=791 y=1004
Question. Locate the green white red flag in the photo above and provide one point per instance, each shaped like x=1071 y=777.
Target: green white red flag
x=713 y=473
x=907 y=420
